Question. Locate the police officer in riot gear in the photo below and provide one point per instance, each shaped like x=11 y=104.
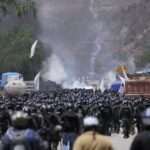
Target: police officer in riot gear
x=19 y=136
x=70 y=126
x=125 y=116
x=106 y=118
x=142 y=140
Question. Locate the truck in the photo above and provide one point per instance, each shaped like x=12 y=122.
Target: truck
x=12 y=83
x=137 y=88
x=139 y=84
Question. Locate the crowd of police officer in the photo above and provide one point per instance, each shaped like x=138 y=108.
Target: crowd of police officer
x=58 y=114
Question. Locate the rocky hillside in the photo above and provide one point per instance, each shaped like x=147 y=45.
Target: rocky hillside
x=77 y=29
x=130 y=28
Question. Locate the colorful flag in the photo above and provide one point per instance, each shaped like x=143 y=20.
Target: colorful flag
x=122 y=79
x=121 y=89
x=112 y=76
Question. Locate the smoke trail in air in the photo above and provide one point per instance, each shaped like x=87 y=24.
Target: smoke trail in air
x=79 y=38
x=98 y=27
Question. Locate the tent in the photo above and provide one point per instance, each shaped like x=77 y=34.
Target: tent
x=115 y=87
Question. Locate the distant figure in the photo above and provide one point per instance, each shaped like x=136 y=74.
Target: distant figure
x=91 y=139
x=142 y=140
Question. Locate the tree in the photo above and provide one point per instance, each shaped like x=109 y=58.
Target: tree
x=121 y=55
x=143 y=59
x=15 y=46
x=21 y=7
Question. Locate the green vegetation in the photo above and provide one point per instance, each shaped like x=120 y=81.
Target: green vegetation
x=21 y=7
x=15 y=45
x=143 y=59
x=121 y=55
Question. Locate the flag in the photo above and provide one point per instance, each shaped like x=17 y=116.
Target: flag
x=111 y=79
x=112 y=76
x=121 y=90
x=33 y=49
x=122 y=79
x=125 y=75
x=102 y=85
x=37 y=82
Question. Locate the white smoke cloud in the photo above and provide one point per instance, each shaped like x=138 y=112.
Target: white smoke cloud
x=73 y=29
x=77 y=84
x=56 y=71
x=131 y=64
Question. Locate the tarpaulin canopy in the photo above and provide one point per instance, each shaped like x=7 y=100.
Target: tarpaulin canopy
x=116 y=86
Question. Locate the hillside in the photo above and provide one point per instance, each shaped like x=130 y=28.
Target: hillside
x=100 y=31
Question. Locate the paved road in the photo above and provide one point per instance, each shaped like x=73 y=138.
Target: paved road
x=119 y=143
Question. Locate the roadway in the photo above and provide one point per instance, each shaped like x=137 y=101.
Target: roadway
x=119 y=143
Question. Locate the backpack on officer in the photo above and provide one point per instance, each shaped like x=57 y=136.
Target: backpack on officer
x=19 y=140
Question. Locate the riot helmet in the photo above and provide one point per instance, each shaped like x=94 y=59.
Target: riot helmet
x=19 y=119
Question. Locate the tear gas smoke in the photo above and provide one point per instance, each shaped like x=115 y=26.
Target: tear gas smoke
x=56 y=71
x=131 y=64
x=77 y=38
x=77 y=84
x=99 y=27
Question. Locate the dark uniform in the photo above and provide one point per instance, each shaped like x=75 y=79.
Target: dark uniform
x=70 y=127
x=106 y=118
x=141 y=141
x=126 y=117
x=4 y=121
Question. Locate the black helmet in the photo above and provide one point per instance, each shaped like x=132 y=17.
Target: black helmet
x=19 y=119
x=69 y=106
x=125 y=102
x=27 y=110
x=2 y=108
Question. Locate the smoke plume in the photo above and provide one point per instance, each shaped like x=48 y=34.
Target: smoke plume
x=78 y=37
